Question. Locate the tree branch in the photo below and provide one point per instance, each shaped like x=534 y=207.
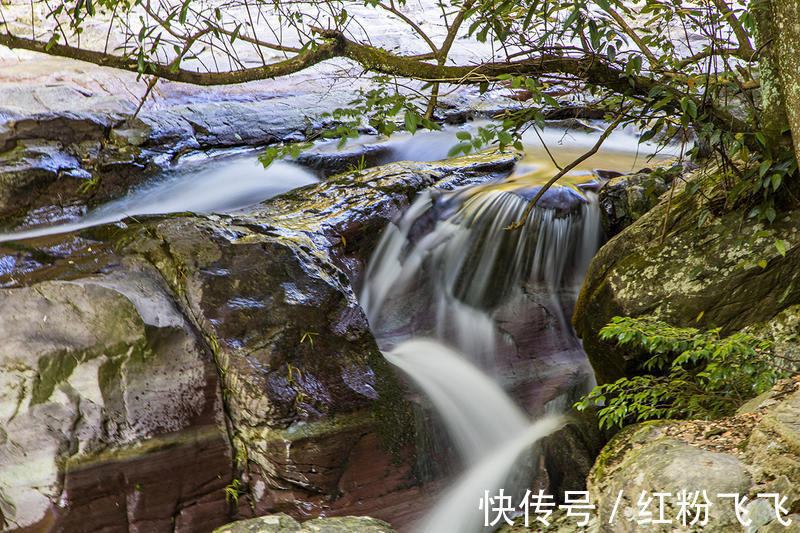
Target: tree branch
x=745 y=48
x=304 y=60
x=521 y=222
x=591 y=68
x=633 y=35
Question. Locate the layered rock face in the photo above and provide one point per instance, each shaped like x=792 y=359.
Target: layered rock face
x=175 y=372
x=97 y=373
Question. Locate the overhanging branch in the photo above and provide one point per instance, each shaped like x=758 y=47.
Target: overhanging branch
x=591 y=68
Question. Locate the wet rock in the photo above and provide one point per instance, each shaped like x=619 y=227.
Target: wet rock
x=306 y=387
x=329 y=161
x=132 y=348
x=31 y=169
x=570 y=451
x=623 y=199
x=709 y=270
x=564 y=201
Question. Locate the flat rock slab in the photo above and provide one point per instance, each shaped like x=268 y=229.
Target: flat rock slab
x=282 y=523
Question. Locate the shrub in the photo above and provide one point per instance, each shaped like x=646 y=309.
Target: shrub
x=691 y=374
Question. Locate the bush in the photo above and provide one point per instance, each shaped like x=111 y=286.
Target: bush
x=691 y=374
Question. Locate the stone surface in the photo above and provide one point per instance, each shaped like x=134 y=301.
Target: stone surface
x=570 y=451
x=721 y=270
x=669 y=457
x=329 y=159
x=111 y=409
x=623 y=199
x=154 y=368
x=647 y=461
x=282 y=523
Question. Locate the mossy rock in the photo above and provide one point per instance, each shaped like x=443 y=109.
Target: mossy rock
x=703 y=268
x=281 y=523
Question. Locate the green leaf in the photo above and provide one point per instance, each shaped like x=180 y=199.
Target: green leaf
x=463 y=136
x=184 y=11
x=781 y=246
x=410 y=120
x=764 y=167
x=776 y=181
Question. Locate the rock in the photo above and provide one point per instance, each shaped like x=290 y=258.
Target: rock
x=711 y=269
x=570 y=451
x=774 y=446
x=784 y=330
x=330 y=160
x=30 y=169
x=669 y=457
x=346 y=524
x=277 y=523
x=563 y=200
x=154 y=369
x=282 y=523
x=641 y=460
x=623 y=199
x=111 y=409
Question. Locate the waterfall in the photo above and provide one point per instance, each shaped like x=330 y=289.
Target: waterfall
x=477 y=412
x=452 y=296
x=450 y=264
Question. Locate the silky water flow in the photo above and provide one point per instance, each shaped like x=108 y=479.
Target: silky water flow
x=433 y=293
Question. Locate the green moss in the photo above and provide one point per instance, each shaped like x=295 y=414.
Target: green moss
x=53 y=369
x=621 y=444
x=393 y=414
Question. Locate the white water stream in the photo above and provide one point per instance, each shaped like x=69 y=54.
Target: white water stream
x=447 y=270
x=488 y=428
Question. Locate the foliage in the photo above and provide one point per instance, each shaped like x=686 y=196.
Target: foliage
x=691 y=374
x=233 y=490
x=676 y=71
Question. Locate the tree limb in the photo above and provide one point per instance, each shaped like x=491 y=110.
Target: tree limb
x=745 y=48
x=304 y=60
x=589 y=67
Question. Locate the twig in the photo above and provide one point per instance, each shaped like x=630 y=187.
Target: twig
x=519 y=223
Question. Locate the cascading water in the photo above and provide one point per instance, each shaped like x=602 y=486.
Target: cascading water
x=450 y=271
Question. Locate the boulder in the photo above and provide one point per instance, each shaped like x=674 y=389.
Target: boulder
x=623 y=199
x=111 y=409
x=570 y=451
x=712 y=267
x=329 y=159
x=754 y=454
x=182 y=370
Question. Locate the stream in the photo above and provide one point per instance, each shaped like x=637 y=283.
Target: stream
x=478 y=317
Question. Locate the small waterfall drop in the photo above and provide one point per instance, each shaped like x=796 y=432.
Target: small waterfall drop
x=467 y=309
x=478 y=414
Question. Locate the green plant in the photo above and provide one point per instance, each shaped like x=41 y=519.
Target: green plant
x=233 y=490
x=89 y=186
x=308 y=336
x=691 y=373
x=359 y=167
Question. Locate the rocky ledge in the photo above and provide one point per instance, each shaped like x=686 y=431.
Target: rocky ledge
x=173 y=373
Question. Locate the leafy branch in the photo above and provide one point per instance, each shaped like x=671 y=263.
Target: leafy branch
x=690 y=374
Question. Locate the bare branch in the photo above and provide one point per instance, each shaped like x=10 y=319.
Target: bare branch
x=745 y=48
x=521 y=222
